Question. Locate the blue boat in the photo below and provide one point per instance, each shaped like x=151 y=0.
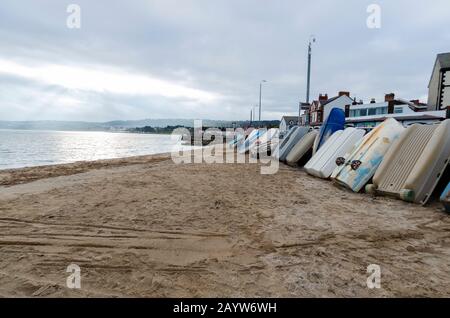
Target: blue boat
x=334 y=122
x=236 y=139
x=252 y=138
x=445 y=198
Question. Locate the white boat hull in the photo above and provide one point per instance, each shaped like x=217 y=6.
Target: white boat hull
x=361 y=164
x=301 y=148
x=323 y=163
x=415 y=163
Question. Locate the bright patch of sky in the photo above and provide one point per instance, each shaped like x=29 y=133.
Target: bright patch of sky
x=205 y=59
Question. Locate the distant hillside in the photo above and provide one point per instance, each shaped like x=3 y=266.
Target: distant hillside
x=119 y=125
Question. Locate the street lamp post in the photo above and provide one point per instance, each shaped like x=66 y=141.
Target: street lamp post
x=299 y=121
x=312 y=40
x=260 y=94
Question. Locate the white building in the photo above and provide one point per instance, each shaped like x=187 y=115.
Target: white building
x=320 y=109
x=287 y=122
x=407 y=112
x=439 y=86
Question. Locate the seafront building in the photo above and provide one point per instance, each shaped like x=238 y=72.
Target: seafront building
x=368 y=115
x=407 y=112
x=316 y=113
x=287 y=122
x=439 y=85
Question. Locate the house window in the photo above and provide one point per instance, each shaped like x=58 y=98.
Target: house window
x=363 y=112
x=381 y=110
x=398 y=110
x=372 y=111
x=444 y=98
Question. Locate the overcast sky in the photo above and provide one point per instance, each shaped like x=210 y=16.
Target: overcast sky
x=140 y=59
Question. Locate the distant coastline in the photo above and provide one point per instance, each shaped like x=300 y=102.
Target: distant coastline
x=121 y=125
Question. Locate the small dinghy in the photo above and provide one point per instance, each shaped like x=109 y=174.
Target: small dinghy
x=265 y=137
x=323 y=163
x=334 y=122
x=302 y=148
x=414 y=164
x=356 y=169
x=265 y=143
x=250 y=140
x=236 y=140
x=283 y=141
x=293 y=140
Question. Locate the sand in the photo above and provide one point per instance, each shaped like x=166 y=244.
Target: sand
x=145 y=227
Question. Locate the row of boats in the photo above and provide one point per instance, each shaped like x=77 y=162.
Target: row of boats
x=407 y=163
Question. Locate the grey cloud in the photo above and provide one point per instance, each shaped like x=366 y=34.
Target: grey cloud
x=221 y=46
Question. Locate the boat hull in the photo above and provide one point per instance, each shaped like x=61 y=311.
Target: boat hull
x=293 y=140
x=301 y=148
x=323 y=163
x=334 y=122
x=252 y=137
x=414 y=164
x=360 y=165
x=282 y=142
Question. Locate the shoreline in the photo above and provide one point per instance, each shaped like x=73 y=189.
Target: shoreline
x=11 y=177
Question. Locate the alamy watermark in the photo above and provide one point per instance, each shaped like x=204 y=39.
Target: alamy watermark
x=374 y=279
x=74 y=19
x=374 y=19
x=74 y=279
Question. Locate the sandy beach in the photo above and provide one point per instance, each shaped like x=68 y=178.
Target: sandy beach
x=146 y=227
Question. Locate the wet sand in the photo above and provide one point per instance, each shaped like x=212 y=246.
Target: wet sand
x=145 y=227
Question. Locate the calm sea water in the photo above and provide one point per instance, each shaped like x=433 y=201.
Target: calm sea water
x=27 y=148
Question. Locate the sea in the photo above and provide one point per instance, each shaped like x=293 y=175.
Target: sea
x=29 y=148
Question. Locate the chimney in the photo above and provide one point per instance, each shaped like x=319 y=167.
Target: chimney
x=389 y=97
x=354 y=101
x=391 y=105
x=323 y=97
x=373 y=101
x=342 y=93
x=347 y=111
